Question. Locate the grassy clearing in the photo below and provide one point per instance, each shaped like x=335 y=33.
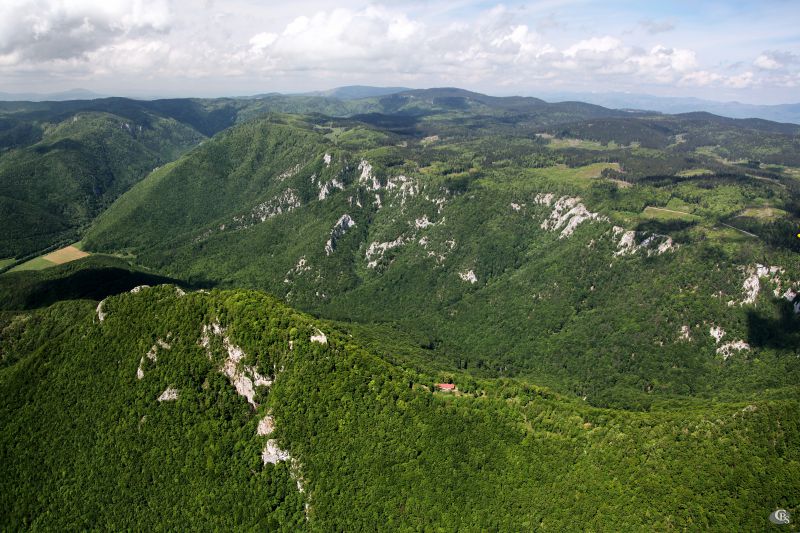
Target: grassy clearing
x=5 y=262
x=536 y=178
x=693 y=172
x=37 y=263
x=580 y=176
x=58 y=257
x=763 y=212
x=583 y=144
x=661 y=213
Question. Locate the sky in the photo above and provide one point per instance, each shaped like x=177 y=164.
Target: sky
x=722 y=50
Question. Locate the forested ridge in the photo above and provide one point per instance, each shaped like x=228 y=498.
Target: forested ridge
x=371 y=446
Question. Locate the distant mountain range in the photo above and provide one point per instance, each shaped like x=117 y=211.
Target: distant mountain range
x=71 y=94
x=354 y=92
x=614 y=100
x=778 y=113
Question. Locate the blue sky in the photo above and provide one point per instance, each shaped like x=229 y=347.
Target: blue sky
x=747 y=51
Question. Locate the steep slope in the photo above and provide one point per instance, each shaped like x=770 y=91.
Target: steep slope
x=160 y=409
x=553 y=273
x=52 y=187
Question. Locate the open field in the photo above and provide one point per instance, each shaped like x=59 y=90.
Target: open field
x=581 y=143
x=535 y=178
x=65 y=255
x=763 y=212
x=58 y=257
x=693 y=172
x=667 y=214
x=5 y=262
x=37 y=263
x=575 y=175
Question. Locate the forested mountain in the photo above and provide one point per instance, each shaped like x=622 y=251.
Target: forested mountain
x=508 y=259
x=162 y=409
x=55 y=176
x=613 y=295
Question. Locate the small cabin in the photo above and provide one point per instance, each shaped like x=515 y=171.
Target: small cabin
x=446 y=386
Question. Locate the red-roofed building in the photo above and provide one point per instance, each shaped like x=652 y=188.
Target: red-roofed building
x=446 y=386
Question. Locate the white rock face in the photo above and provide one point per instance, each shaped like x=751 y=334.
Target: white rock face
x=751 y=287
x=367 y=177
x=716 y=332
x=728 y=349
x=686 y=333
x=152 y=355
x=328 y=188
x=544 y=199
x=101 y=315
x=244 y=378
x=469 y=276
x=402 y=188
x=791 y=296
x=666 y=246
x=422 y=223
x=339 y=229
x=273 y=454
x=301 y=267
x=168 y=395
x=140 y=288
x=752 y=284
x=288 y=173
x=517 y=207
x=627 y=244
x=285 y=202
x=327 y=159
x=568 y=213
x=376 y=250
x=319 y=337
x=266 y=426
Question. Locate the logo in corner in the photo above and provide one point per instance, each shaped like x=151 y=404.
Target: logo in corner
x=781 y=516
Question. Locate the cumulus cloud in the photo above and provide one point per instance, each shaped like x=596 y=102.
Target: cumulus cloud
x=776 y=60
x=42 y=30
x=378 y=43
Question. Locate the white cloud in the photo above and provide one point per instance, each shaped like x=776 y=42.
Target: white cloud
x=355 y=42
x=767 y=63
x=740 y=81
x=40 y=30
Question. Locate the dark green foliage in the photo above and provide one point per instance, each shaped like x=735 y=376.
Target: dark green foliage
x=92 y=278
x=53 y=188
x=88 y=446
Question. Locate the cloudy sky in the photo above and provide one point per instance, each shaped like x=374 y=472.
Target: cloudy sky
x=743 y=50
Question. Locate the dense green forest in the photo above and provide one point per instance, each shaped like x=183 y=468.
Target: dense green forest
x=369 y=445
x=507 y=259
x=278 y=283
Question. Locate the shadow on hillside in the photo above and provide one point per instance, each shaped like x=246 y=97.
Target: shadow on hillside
x=29 y=292
x=399 y=124
x=768 y=332
x=665 y=227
